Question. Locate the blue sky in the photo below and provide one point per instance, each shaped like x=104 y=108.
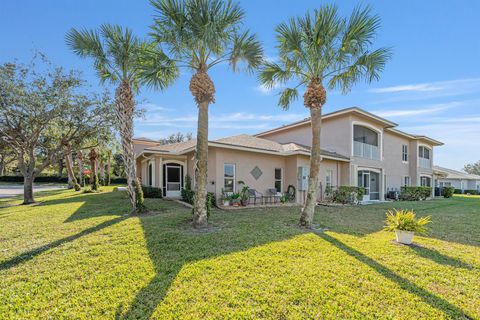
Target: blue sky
x=431 y=86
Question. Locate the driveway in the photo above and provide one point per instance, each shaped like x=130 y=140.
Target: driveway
x=11 y=190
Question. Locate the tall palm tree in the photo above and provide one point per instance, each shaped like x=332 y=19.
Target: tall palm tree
x=320 y=49
x=121 y=58
x=201 y=34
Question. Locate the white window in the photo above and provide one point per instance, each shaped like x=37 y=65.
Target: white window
x=329 y=179
x=406 y=181
x=425 y=181
x=229 y=177
x=278 y=179
x=445 y=184
x=424 y=152
x=404 y=153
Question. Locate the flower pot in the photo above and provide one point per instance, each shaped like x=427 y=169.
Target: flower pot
x=226 y=203
x=405 y=237
x=244 y=202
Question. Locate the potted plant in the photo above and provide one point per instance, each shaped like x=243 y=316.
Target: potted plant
x=244 y=196
x=235 y=199
x=226 y=197
x=405 y=224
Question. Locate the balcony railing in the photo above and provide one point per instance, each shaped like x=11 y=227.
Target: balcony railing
x=367 y=151
x=424 y=163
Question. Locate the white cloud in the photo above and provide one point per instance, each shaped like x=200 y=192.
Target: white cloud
x=423 y=110
x=265 y=90
x=431 y=86
x=151 y=107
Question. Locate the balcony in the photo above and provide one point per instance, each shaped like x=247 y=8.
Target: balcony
x=424 y=163
x=365 y=150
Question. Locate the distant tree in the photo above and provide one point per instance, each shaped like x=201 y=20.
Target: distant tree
x=7 y=156
x=176 y=137
x=42 y=111
x=317 y=50
x=472 y=168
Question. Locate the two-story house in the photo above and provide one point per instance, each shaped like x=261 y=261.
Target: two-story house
x=358 y=149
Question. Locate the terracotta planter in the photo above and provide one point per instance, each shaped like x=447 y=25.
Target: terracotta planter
x=405 y=237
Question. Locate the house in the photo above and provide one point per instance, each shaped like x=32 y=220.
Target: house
x=358 y=149
x=466 y=183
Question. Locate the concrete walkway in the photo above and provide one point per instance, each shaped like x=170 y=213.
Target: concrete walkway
x=11 y=190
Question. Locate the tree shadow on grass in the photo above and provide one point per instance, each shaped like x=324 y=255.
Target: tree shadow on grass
x=173 y=246
x=439 y=258
x=436 y=302
x=29 y=255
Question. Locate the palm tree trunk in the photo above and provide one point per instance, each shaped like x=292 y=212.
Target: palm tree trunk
x=72 y=180
x=80 y=168
x=308 y=210
x=125 y=108
x=109 y=168
x=200 y=206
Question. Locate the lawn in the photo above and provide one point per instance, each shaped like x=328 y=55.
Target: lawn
x=78 y=256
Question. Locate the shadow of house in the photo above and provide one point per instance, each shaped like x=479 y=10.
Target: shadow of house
x=433 y=300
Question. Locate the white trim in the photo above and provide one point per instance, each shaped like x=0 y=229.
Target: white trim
x=418 y=155
x=173 y=193
x=425 y=176
x=367 y=125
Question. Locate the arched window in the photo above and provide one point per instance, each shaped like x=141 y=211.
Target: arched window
x=366 y=142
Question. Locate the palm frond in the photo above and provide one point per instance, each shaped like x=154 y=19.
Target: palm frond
x=154 y=68
x=272 y=74
x=248 y=49
x=287 y=96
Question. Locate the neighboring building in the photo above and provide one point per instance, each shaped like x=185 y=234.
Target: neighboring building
x=358 y=149
x=457 y=179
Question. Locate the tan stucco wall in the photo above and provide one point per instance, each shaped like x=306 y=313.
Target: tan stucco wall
x=395 y=168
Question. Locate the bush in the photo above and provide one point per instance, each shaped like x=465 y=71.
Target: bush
x=458 y=191
x=474 y=192
x=77 y=187
x=447 y=192
x=348 y=194
x=187 y=196
x=415 y=193
x=152 y=192
x=405 y=220
x=95 y=183
x=55 y=179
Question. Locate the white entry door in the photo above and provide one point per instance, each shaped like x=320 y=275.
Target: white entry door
x=366 y=184
x=174 y=186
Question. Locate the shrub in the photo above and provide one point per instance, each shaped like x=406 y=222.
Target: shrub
x=415 y=193
x=406 y=220
x=187 y=196
x=139 y=199
x=447 y=192
x=77 y=187
x=474 y=192
x=152 y=192
x=348 y=194
x=458 y=191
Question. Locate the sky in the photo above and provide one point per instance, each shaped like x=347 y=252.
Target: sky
x=431 y=86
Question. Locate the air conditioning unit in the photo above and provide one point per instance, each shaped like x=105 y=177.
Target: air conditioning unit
x=302 y=178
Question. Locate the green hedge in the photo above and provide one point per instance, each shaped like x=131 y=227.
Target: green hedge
x=415 y=193
x=151 y=192
x=447 y=192
x=474 y=192
x=348 y=194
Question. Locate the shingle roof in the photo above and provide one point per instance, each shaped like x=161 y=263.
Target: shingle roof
x=454 y=174
x=246 y=141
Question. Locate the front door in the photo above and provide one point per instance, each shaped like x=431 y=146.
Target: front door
x=173 y=175
x=370 y=181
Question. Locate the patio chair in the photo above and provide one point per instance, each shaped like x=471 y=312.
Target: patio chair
x=254 y=194
x=273 y=195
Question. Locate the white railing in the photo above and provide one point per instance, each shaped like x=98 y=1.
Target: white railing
x=365 y=150
x=424 y=163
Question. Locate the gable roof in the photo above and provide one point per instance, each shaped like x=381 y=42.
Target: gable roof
x=388 y=125
x=247 y=143
x=454 y=174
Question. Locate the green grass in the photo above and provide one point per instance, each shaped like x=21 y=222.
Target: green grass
x=77 y=256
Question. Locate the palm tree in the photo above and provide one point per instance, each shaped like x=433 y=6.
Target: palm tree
x=201 y=34
x=121 y=58
x=323 y=49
